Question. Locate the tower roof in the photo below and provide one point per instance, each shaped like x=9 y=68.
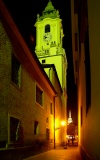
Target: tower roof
x=49 y=12
x=49 y=7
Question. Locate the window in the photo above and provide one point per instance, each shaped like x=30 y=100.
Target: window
x=47 y=120
x=39 y=95
x=43 y=61
x=47 y=134
x=16 y=71
x=50 y=108
x=46 y=52
x=13 y=129
x=47 y=28
x=36 y=127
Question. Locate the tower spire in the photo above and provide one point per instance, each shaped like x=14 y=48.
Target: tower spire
x=49 y=12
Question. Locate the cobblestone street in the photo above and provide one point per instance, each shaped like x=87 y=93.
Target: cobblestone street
x=71 y=153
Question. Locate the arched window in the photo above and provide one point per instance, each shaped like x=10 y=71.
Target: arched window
x=47 y=28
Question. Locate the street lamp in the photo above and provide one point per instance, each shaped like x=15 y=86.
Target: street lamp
x=63 y=123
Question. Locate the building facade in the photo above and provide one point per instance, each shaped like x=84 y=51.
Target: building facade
x=31 y=108
x=85 y=17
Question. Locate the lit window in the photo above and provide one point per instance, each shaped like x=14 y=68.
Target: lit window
x=16 y=71
x=39 y=96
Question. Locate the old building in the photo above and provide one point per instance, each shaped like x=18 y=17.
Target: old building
x=85 y=17
x=31 y=103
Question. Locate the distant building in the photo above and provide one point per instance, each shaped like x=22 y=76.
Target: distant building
x=32 y=104
x=72 y=128
x=85 y=20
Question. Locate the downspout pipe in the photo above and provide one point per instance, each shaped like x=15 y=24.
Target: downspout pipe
x=54 y=120
x=54 y=123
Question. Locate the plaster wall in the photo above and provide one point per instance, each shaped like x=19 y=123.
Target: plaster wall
x=90 y=131
x=20 y=102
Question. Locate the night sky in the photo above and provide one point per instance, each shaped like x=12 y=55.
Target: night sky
x=24 y=13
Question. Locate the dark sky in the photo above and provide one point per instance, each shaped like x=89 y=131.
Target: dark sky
x=24 y=13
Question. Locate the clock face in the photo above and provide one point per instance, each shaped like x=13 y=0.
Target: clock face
x=47 y=37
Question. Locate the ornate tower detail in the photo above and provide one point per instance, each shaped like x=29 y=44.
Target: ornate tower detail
x=49 y=37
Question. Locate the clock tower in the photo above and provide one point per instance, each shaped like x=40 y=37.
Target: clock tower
x=49 y=37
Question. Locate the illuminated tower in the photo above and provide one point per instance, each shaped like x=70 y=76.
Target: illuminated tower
x=70 y=118
x=49 y=47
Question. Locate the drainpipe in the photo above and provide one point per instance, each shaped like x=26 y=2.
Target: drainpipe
x=54 y=122
x=54 y=119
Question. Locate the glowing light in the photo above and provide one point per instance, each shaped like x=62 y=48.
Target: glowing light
x=63 y=123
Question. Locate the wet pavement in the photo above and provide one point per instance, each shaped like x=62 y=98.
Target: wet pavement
x=71 y=153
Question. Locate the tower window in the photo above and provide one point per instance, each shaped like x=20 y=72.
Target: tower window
x=43 y=61
x=47 y=28
x=47 y=51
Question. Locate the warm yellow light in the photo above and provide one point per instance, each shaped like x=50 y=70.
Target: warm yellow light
x=63 y=123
